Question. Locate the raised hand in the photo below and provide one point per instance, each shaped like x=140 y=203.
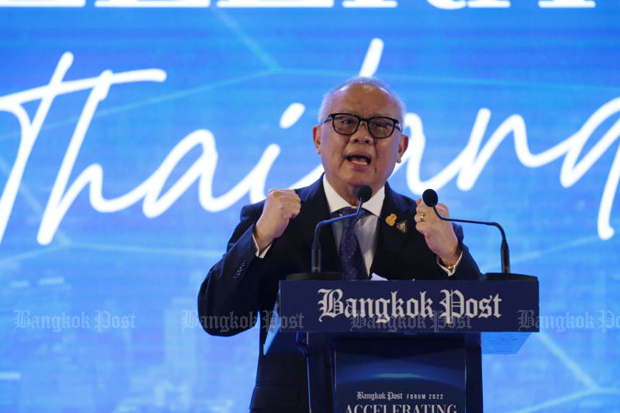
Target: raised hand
x=281 y=206
x=439 y=235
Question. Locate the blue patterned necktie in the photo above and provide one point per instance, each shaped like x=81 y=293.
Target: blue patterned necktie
x=353 y=266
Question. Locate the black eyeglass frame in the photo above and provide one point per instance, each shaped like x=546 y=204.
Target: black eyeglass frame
x=332 y=116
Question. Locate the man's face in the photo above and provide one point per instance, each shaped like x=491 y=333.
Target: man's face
x=359 y=159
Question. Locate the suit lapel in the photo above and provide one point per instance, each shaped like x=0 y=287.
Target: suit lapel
x=390 y=238
x=314 y=208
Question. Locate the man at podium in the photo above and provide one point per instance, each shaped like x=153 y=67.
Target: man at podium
x=359 y=138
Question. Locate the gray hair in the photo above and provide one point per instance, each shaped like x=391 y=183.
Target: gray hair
x=360 y=80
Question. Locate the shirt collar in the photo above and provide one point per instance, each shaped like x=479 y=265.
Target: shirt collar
x=336 y=202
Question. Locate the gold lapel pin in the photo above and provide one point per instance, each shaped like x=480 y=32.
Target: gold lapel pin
x=391 y=220
x=402 y=226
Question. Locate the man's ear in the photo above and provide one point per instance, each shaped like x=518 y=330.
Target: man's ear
x=316 y=137
x=403 y=144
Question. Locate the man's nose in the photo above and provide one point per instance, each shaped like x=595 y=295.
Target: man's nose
x=362 y=135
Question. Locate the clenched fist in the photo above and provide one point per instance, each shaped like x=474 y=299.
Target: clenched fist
x=281 y=206
x=438 y=234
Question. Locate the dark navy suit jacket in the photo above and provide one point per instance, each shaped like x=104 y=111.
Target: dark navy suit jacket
x=242 y=285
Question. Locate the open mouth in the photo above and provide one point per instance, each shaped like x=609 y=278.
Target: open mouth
x=359 y=159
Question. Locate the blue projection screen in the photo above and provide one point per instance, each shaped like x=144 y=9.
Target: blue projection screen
x=133 y=131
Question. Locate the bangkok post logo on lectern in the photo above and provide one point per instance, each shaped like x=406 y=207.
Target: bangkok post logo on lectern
x=454 y=306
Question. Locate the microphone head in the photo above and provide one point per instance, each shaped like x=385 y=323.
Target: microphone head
x=364 y=193
x=430 y=197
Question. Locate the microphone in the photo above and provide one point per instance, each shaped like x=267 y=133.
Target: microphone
x=430 y=198
x=364 y=193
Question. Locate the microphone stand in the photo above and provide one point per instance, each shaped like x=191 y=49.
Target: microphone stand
x=363 y=195
x=315 y=263
x=504 y=248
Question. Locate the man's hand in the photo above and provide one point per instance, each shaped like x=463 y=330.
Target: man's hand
x=439 y=234
x=281 y=206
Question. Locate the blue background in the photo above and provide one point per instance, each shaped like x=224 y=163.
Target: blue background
x=234 y=72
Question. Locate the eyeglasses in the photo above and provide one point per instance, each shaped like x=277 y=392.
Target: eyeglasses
x=379 y=127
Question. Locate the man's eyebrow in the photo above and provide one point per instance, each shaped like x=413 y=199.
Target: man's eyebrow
x=375 y=115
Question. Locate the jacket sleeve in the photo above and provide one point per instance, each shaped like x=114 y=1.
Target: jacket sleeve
x=228 y=301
